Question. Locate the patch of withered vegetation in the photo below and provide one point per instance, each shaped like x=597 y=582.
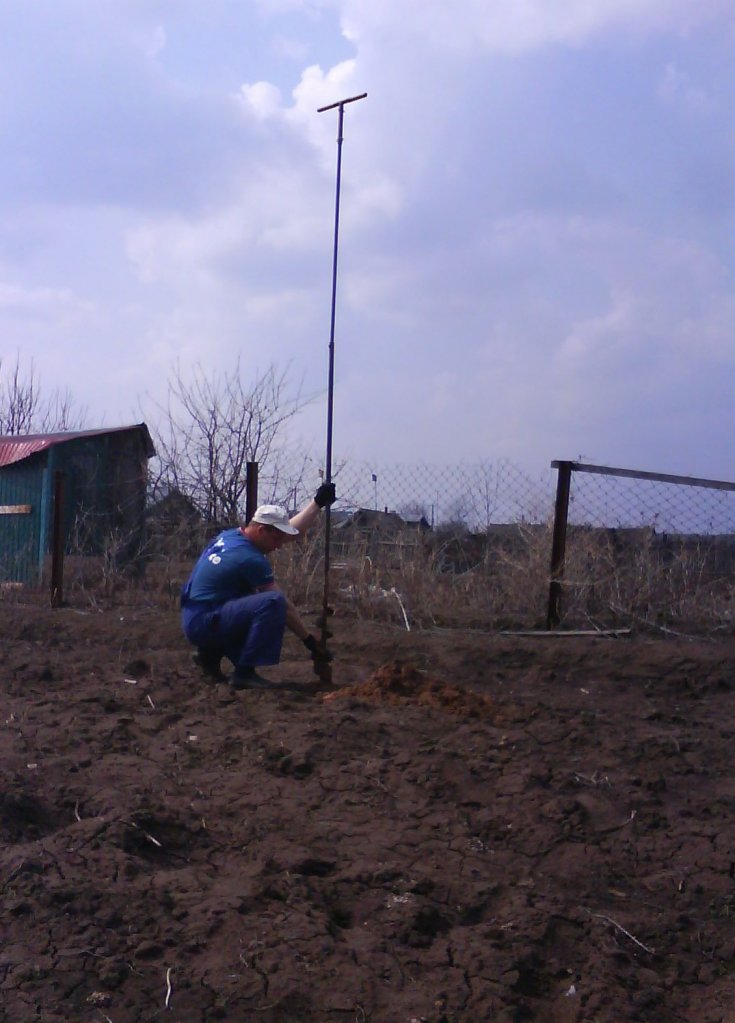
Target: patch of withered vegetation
x=398 y=684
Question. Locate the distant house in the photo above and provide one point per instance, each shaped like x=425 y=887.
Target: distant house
x=102 y=475
x=174 y=511
x=376 y=531
x=418 y=522
x=176 y=518
x=365 y=520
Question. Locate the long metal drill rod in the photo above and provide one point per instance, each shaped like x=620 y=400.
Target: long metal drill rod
x=340 y=106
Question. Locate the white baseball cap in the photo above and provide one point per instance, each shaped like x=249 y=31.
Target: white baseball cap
x=274 y=515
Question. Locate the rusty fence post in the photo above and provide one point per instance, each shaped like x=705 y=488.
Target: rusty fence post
x=559 y=541
x=57 y=542
x=251 y=490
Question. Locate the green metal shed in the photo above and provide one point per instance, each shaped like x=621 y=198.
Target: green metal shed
x=104 y=474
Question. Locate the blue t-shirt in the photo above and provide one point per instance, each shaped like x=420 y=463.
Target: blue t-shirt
x=230 y=567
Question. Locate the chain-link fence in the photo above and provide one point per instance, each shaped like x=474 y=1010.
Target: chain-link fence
x=472 y=544
x=643 y=548
x=666 y=506
x=474 y=494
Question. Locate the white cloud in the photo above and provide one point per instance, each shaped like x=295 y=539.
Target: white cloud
x=161 y=249
x=42 y=303
x=627 y=328
x=268 y=214
x=515 y=27
x=262 y=98
x=289 y=48
x=316 y=89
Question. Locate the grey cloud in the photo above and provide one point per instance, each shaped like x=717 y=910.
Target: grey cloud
x=90 y=116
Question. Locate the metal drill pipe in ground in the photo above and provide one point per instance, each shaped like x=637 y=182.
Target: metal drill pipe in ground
x=326 y=610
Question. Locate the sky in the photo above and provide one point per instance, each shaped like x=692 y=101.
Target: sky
x=537 y=218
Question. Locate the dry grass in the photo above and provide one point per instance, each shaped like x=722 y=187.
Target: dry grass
x=455 y=580
x=481 y=582
x=641 y=581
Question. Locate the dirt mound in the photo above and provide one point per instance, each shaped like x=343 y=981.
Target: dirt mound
x=398 y=684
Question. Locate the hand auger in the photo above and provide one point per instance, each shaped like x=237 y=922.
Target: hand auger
x=321 y=658
x=323 y=667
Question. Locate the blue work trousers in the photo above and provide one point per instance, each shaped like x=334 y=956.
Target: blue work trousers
x=248 y=630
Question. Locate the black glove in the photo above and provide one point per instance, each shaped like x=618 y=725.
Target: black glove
x=326 y=495
x=317 y=650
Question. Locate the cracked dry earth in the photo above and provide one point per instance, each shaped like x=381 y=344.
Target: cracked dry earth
x=468 y=828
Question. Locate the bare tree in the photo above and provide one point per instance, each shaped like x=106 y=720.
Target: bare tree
x=18 y=401
x=484 y=499
x=211 y=427
x=59 y=413
x=24 y=409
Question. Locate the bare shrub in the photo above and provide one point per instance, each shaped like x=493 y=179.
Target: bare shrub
x=103 y=562
x=96 y=579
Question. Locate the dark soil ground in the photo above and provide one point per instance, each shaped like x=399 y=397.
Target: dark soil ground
x=468 y=828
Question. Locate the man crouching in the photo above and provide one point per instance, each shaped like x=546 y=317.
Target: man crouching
x=231 y=606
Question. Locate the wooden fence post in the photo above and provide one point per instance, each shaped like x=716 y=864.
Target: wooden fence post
x=57 y=542
x=559 y=542
x=251 y=490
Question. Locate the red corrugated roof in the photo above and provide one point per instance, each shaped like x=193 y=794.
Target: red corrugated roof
x=15 y=449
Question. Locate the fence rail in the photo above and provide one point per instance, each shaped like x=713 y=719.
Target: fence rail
x=639 y=474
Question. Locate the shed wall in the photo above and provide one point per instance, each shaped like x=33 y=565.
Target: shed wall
x=22 y=486
x=104 y=493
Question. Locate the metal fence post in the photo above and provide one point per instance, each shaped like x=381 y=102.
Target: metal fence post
x=251 y=490
x=57 y=542
x=559 y=542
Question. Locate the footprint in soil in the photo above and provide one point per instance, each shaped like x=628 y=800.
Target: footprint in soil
x=137 y=668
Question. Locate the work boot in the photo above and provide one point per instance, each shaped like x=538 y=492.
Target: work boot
x=209 y=663
x=248 y=678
